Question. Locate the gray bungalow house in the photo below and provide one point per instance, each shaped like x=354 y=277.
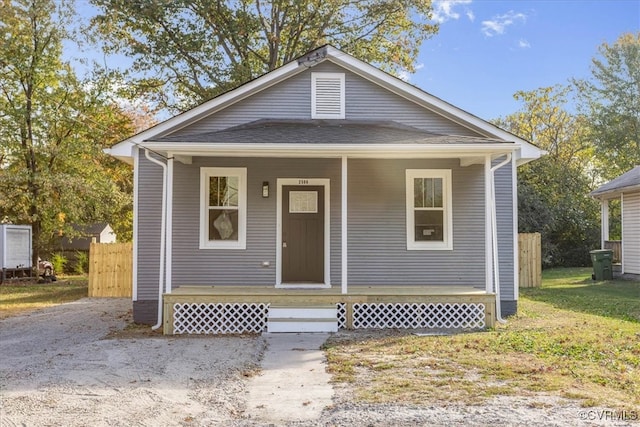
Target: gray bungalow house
x=324 y=194
x=625 y=188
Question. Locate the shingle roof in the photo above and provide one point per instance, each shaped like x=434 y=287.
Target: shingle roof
x=626 y=180
x=267 y=131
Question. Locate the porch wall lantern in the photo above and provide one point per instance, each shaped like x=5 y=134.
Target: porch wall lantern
x=265 y=189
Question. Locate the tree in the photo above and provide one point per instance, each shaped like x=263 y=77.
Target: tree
x=611 y=99
x=52 y=129
x=553 y=191
x=196 y=49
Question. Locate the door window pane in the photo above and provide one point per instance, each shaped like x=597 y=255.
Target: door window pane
x=303 y=202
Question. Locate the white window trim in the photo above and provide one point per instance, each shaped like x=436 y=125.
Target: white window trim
x=447 y=233
x=314 y=78
x=205 y=243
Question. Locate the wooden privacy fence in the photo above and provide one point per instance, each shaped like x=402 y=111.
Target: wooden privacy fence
x=530 y=259
x=616 y=247
x=110 y=269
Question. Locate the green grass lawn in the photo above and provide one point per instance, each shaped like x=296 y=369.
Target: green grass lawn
x=573 y=289
x=16 y=298
x=571 y=338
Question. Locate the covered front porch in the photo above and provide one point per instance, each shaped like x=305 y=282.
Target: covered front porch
x=248 y=309
x=401 y=232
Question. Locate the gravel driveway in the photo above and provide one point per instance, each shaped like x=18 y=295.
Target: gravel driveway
x=62 y=366
x=57 y=368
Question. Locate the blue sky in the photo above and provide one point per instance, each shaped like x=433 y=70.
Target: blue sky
x=486 y=50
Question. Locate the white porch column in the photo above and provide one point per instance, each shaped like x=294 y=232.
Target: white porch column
x=169 y=226
x=488 y=248
x=343 y=279
x=604 y=221
x=516 y=255
x=136 y=192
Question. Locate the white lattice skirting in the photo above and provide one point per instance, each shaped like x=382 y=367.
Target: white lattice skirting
x=342 y=315
x=239 y=318
x=223 y=318
x=419 y=316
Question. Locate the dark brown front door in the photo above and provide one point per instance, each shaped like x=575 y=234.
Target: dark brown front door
x=302 y=234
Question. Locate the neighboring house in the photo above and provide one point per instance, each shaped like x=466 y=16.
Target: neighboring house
x=324 y=194
x=101 y=232
x=626 y=188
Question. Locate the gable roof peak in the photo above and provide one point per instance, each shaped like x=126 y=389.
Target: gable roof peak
x=350 y=63
x=314 y=57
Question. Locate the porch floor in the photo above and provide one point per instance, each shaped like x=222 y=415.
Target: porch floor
x=376 y=302
x=355 y=290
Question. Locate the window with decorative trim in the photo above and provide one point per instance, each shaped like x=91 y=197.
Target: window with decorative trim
x=223 y=208
x=327 y=96
x=429 y=214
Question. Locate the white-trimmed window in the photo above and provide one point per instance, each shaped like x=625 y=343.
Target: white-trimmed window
x=223 y=208
x=327 y=96
x=429 y=216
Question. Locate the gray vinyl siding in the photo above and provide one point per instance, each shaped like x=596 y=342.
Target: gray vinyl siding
x=291 y=99
x=504 y=211
x=631 y=232
x=149 y=224
x=194 y=266
x=378 y=252
x=366 y=100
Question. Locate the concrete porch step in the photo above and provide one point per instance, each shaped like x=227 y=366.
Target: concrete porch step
x=302 y=319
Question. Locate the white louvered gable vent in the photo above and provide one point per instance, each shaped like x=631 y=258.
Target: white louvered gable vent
x=327 y=95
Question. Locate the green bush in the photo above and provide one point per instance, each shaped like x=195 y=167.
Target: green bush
x=82 y=263
x=58 y=261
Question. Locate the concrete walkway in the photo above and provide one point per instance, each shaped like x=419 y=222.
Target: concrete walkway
x=293 y=384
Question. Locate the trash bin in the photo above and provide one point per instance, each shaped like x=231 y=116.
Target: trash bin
x=602 y=269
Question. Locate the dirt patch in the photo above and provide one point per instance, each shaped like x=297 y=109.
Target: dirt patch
x=80 y=364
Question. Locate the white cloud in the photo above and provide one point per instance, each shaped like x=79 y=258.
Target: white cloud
x=470 y=15
x=499 y=23
x=406 y=76
x=443 y=10
x=524 y=44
